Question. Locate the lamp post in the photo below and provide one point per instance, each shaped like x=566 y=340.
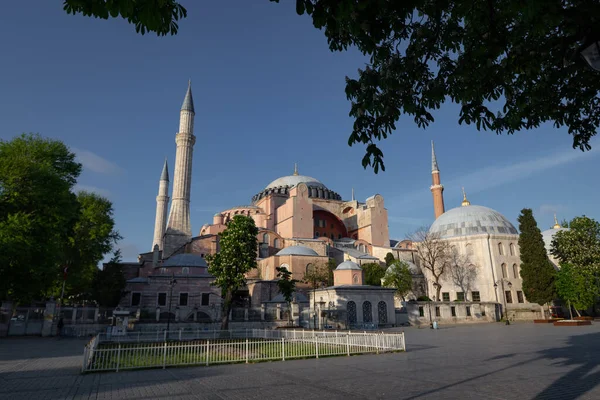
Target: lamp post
x=504 y=295
x=172 y=283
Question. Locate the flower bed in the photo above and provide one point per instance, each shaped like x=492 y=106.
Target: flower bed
x=546 y=321
x=584 y=318
x=571 y=322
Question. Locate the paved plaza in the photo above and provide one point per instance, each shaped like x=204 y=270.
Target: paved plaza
x=492 y=361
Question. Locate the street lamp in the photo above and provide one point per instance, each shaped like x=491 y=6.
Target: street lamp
x=504 y=295
x=172 y=283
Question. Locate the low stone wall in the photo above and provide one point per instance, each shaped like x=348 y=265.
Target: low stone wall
x=233 y=325
x=525 y=314
x=423 y=313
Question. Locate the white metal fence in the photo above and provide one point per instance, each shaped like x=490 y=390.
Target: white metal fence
x=143 y=350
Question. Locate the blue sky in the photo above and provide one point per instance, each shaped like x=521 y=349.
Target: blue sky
x=268 y=93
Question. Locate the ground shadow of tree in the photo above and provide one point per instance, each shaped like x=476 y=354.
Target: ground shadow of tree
x=582 y=351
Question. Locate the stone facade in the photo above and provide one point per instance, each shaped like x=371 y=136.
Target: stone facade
x=424 y=313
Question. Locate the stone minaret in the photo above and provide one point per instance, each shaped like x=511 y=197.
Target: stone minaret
x=437 y=189
x=179 y=230
x=162 y=205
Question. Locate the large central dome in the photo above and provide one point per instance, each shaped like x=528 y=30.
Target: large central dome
x=471 y=220
x=294 y=180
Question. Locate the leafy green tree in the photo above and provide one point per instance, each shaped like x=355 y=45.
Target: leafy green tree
x=508 y=67
x=158 y=16
x=236 y=257
x=536 y=269
x=38 y=212
x=93 y=237
x=108 y=286
x=399 y=276
x=373 y=273
x=287 y=287
x=317 y=275
x=580 y=245
x=577 y=286
x=331 y=266
x=389 y=259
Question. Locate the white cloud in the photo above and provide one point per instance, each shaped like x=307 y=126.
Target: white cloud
x=96 y=163
x=93 y=189
x=550 y=209
x=486 y=178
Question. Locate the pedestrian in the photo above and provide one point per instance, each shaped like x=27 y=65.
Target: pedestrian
x=60 y=325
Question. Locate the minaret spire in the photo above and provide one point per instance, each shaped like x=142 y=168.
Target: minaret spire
x=162 y=205
x=434 y=163
x=437 y=189
x=352 y=194
x=295 y=168
x=179 y=230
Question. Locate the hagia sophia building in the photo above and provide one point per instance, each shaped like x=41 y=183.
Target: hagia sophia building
x=302 y=223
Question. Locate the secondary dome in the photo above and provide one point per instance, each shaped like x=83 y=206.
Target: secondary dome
x=348 y=265
x=297 y=251
x=294 y=180
x=548 y=235
x=472 y=220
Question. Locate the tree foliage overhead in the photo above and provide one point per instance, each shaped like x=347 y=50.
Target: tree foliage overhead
x=236 y=257
x=580 y=245
x=158 y=16
x=398 y=276
x=536 y=269
x=509 y=65
x=389 y=259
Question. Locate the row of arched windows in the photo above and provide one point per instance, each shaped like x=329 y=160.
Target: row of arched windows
x=511 y=249
x=367 y=312
x=515 y=270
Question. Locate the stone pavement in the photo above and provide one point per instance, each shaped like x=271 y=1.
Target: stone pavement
x=492 y=361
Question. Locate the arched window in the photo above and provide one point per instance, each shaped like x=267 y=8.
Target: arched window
x=355 y=278
x=276 y=243
x=185 y=270
x=367 y=312
x=504 y=271
x=339 y=236
x=382 y=312
x=316 y=235
x=500 y=249
x=332 y=237
x=351 y=309
x=309 y=268
x=454 y=250
x=515 y=270
x=469 y=249
x=266 y=238
x=511 y=247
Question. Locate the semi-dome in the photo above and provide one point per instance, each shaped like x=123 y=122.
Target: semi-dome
x=348 y=265
x=185 y=260
x=297 y=251
x=472 y=220
x=411 y=266
x=295 y=180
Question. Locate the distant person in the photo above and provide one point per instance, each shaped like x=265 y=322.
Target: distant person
x=60 y=325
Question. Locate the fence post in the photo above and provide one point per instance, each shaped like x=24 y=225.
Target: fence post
x=165 y=335
x=207 y=347
x=180 y=334
x=118 y=356
x=348 y=344
x=246 y=349
x=282 y=349
x=164 y=355
x=403 y=341
x=85 y=357
x=377 y=343
x=138 y=337
x=317 y=346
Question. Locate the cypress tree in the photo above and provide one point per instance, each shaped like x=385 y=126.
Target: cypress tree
x=536 y=270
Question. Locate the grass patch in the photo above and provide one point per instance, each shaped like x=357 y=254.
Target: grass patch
x=113 y=356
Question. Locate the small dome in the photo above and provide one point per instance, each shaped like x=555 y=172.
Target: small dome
x=348 y=265
x=297 y=251
x=295 y=180
x=472 y=220
x=411 y=266
x=218 y=215
x=185 y=260
x=548 y=235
